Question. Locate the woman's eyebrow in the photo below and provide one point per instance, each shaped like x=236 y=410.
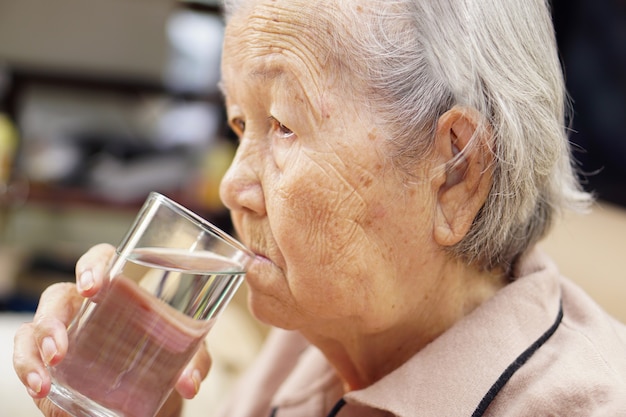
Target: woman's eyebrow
x=270 y=72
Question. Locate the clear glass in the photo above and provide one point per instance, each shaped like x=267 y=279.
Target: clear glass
x=172 y=275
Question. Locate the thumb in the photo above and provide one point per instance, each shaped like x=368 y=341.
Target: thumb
x=195 y=372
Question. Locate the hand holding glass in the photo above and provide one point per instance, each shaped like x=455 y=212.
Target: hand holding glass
x=171 y=277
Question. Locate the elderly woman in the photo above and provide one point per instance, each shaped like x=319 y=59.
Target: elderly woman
x=398 y=160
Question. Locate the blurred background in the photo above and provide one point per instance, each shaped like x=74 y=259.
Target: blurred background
x=103 y=101
x=592 y=42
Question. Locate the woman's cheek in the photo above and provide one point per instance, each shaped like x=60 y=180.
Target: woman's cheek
x=317 y=229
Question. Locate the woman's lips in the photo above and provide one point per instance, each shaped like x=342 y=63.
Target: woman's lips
x=259 y=256
x=261 y=262
x=259 y=270
x=259 y=253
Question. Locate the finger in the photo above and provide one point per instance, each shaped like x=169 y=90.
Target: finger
x=58 y=305
x=91 y=269
x=44 y=341
x=195 y=372
x=28 y=364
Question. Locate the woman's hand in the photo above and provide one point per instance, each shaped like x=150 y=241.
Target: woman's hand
x=44 y=341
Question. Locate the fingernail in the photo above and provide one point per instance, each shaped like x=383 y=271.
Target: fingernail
x=85 y=281
x=48 y=349
x=197 y=379
x=34 y=382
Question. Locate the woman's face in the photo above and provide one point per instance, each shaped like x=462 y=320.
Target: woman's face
x=341 y=237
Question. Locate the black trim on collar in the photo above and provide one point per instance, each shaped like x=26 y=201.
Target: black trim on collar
x=517 y=363
x=337 y=407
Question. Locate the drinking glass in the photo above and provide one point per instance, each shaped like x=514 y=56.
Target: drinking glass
x=170 y=278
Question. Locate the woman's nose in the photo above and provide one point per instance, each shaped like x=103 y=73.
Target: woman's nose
x=241 y=188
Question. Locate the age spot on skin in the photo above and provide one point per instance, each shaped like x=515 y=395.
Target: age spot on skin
x=372 y=135
x=378 y=211
x=300 y=99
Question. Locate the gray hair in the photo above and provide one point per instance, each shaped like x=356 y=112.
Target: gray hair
x=419 y=58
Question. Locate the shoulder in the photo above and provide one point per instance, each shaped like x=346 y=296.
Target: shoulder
x=579 y=371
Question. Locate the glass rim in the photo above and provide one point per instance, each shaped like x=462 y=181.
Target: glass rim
x=196 y=218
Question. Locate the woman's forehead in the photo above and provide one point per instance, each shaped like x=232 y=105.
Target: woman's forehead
x=285 y=21
x=274 y=37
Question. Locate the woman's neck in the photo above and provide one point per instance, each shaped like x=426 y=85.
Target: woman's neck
x=363 y=357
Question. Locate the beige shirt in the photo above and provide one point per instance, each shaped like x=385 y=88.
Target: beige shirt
x=540 y=347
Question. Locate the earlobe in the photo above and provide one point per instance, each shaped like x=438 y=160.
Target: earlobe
x=465 y=174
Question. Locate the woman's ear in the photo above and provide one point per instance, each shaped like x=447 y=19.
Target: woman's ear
x=463 y=175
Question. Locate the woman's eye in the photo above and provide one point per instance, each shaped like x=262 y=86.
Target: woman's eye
x=281 y=129
x=239 y=126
